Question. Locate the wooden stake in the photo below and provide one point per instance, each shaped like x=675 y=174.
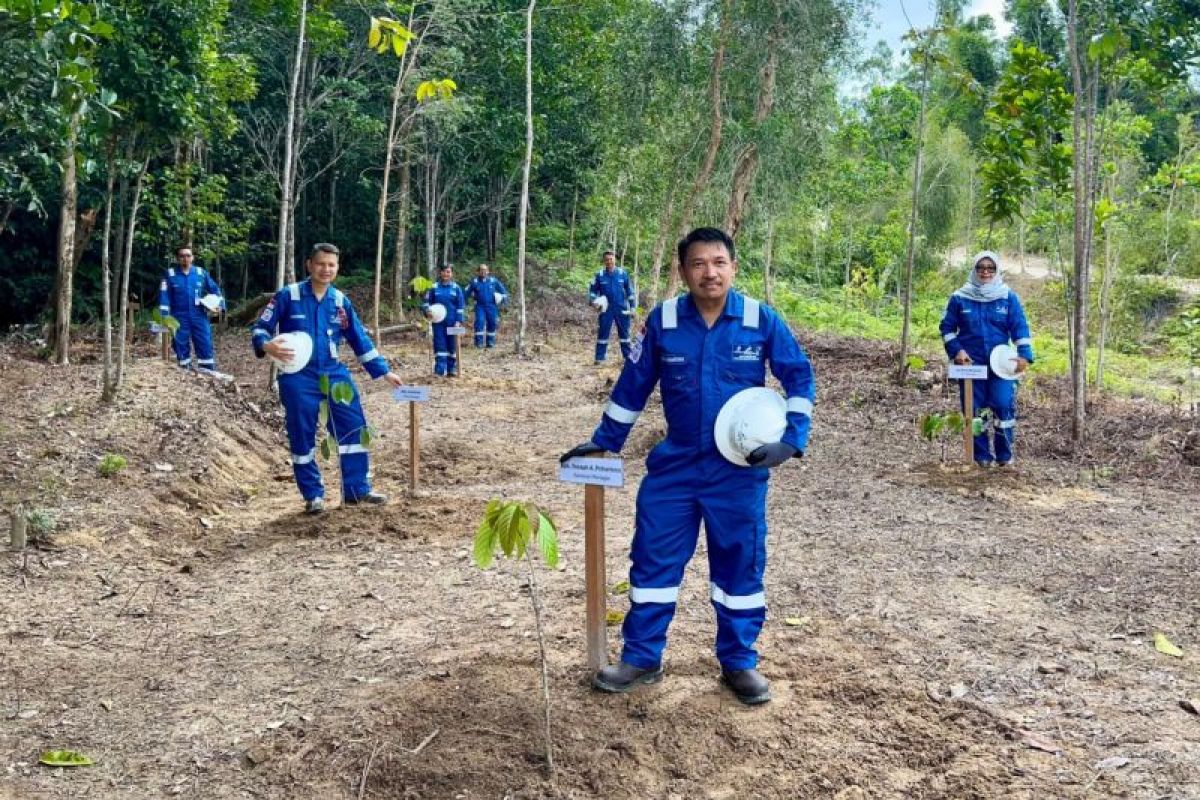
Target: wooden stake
x=969 y=419
x=414 y=446
x=597 y=589
x=20 y=522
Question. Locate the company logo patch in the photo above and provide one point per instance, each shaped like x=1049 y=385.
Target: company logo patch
x=268 y=312
x=343 y=318
x=747 y=352
x=635 y=348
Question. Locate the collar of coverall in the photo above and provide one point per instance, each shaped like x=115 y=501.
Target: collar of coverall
x=733 y=305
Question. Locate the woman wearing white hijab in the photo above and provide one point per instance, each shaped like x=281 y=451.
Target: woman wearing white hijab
x=981 y=315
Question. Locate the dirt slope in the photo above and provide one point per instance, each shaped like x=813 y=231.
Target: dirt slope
x=193 y=633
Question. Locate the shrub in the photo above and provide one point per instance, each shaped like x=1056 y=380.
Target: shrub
x=111 y=464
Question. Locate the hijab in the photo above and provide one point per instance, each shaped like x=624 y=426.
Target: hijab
x=976 y=288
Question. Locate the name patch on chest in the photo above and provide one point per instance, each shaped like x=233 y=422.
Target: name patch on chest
x=671 y=358
x=747 y=352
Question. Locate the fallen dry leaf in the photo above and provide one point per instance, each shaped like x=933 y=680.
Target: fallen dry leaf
x=1039 y=742
x=1163 y=645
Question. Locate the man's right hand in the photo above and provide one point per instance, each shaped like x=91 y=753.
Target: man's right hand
x=579 y=451
x=277 y=350
x=962 y=357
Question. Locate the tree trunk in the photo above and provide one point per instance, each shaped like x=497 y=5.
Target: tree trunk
x=571 y=239
x=523 y=214
x=65 y=278
x=431 y=182
x=284 y=264
x=108 y=389
x=747 y=162
x=714 y=133
x=660 y=246
x=126 y=265
x=1082 y=118
x=400 y=252
x=768 y=257
x=383 y=192
x=914 y=217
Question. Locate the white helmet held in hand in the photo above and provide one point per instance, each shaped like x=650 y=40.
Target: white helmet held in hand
x=748 y=420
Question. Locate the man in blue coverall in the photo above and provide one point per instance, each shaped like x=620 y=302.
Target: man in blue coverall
x=612 y=283
x=702 y=348
x=323 y=312
x=484 y=288
x=179 y=295
x=980 y=315
x=445 y=345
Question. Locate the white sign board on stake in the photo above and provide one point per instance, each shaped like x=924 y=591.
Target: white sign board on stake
x=457 y=330
x=411 y=394
x=594 y=471
x=967 y=372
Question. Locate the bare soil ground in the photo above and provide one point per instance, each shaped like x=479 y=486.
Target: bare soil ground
x=962 y=634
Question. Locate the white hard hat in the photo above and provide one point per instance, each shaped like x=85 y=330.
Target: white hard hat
x=751 y=418
x=1003 y=360
x=302 y=344
x=437 y=312
x=498 y=297
x=211 y=301
x=601 y=303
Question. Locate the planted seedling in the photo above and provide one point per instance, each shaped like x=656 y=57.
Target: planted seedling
x=514 y=527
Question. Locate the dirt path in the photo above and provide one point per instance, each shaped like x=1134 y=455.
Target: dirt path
x=198 y=637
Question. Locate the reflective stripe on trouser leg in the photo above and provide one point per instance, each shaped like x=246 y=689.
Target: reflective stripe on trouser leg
x=349 y=421
x=301 y=397
x=668 y=522
x=603 y=331
x=623 y=333
x=441 y=348
x=979 y=401
x=735 y=527
x=1002 y=400
x=202 y=339
x=480 y=318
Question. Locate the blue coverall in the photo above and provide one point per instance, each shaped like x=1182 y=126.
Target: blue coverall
x=179 y=295
x=976 y=327
x=328 y=321
x=445 y=346
x=621 y=302
x=487 y=310
x=688 y=480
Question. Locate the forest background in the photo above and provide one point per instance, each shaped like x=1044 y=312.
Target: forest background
x=855 y=182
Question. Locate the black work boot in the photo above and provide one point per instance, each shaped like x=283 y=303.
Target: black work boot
x=748 y=685
x=372 y=498
x=621 y=677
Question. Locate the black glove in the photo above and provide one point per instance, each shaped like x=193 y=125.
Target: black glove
x=585 y=449
x=771 y=455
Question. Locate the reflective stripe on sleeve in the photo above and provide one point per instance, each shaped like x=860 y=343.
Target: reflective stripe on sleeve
x=801 y=405
x=750 y=313
x=621 y=414
x=738 y=602
x=1024 y=341
x=670 y=313
x=371 y=355
x=949 y=337
x=259 y=332
x=668 y=594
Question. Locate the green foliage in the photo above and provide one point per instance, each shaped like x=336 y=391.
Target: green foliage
x=1024 y=146
x=111 y=464
x=41 y=523
x=512 y=527
x=420 y=284
x=342 y=392
x=940 y=426
x=167 y=321
x=64 y=758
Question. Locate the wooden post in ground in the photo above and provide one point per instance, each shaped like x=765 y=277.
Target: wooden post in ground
x=414 y=446
x=20 y=523
x=969 y=420
x=597 y=588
